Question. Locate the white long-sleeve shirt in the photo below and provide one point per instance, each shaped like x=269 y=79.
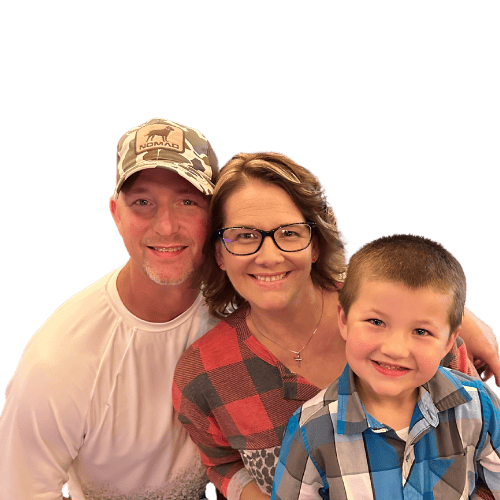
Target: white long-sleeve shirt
x=90 y=404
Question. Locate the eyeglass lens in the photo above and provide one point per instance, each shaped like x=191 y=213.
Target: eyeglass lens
x=291 y=238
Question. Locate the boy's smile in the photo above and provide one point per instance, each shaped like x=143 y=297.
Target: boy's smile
x=395 y=339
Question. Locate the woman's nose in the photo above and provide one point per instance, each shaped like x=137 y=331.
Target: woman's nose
x=269 y=253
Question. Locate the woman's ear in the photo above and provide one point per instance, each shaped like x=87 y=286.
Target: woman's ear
x=315 y=250
x=219 y=255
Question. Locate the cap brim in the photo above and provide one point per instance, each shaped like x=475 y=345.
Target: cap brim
x=191 y=175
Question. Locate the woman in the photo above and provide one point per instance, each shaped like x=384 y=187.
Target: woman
x=277 y=262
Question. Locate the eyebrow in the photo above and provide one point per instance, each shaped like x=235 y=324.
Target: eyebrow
x=136 y=191
x=247 y=226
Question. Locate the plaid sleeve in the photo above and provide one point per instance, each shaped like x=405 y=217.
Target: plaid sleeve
x=296 y=475
x=193 y=397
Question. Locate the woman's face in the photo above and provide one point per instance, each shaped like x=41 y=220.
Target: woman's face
x=269 y=279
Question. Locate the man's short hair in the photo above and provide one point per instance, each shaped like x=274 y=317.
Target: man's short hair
x=413 y=261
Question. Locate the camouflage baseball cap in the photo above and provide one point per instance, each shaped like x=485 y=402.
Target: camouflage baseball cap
x=166 y=144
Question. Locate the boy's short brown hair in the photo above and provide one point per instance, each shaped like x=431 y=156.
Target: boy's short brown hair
x=414 y=261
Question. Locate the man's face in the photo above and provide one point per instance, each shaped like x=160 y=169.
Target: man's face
x=162 y=219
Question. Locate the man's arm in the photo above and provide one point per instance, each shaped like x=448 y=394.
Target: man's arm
x=41 y=429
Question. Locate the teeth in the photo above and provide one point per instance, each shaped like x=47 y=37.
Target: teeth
x=161 y=249
x=390 y=367
x=270 y=278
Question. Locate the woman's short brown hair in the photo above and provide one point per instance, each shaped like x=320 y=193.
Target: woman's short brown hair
x=308 y=195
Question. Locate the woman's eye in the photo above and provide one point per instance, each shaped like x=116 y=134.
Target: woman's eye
x=246 y=236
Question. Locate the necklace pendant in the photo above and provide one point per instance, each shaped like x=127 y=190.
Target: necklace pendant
x=298 y=358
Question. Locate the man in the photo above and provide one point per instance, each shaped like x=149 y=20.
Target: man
x=90 y=402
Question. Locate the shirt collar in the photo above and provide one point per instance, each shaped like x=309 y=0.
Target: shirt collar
x=442 y=392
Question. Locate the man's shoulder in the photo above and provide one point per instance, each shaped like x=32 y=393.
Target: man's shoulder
x=72 y=330
x=89 y=298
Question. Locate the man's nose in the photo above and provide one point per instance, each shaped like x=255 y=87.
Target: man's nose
x=166 y=220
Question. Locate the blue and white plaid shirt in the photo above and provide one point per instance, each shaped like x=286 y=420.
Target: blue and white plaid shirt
x=333 y=449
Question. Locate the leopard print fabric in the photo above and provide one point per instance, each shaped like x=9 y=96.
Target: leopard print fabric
x=261 y=464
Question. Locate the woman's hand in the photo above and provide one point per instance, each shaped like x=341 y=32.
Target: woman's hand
x=252 y=492
x=482 y=346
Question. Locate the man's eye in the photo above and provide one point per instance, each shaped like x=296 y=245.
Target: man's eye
x=141 y=202
x=188 y=203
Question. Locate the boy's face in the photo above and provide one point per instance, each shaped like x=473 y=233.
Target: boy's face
x=395 y=339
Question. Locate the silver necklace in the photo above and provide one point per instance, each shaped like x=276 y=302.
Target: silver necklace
x=297 y=353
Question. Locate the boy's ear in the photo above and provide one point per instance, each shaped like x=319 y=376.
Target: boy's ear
x=452 y=339
x=342 y=319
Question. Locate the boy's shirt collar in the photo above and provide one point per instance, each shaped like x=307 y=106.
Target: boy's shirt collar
x=442 y=392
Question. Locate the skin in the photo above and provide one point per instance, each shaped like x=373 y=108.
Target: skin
x=395 y=339
x=162 y=219
x=269 y=279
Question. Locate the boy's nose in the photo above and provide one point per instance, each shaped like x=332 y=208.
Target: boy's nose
x=396 y=345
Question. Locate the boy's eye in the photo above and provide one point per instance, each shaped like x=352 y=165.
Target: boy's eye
x=421 y=332
x=376 y=322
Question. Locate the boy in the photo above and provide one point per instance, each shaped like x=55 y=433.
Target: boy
x=395 y=425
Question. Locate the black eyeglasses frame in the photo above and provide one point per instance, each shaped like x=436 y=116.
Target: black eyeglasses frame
x=220 y=232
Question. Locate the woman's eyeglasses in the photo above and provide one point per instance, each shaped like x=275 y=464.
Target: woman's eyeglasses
x=246 y=240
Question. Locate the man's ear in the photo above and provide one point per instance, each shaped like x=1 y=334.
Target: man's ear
x=342 y=319
x=113 y=208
